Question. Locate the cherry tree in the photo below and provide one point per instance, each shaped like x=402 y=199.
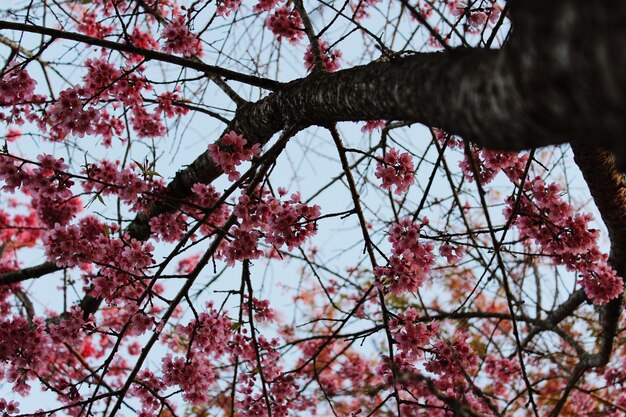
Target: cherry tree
x=338 y=207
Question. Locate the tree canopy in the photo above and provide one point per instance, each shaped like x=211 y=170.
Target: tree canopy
x=336 y=207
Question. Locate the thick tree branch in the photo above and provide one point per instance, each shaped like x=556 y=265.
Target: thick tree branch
x=148 y=54
x=28 y=273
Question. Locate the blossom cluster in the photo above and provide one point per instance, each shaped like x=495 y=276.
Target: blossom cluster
x=68 y=116
x=11 y=407
x=396 y=169
x=141 y=39
x=477 y=19
x=16 y=86
x=410 y=335
x=179 y=39
x=18 y=229
x=565 y=235
x=330 y=59
x=91 y=26
x=208 y=342
x=47 y=184
x=24 y=344
x=449 y=360
x=490 y=163
x=411 y=260
x=349 y=369
x=71 y=114
x=230 y=151
x=501 y=370
x=371 y=125
x=411 y=338
x=209 y=337
x=166 y=104
x=452 y=360
x=17 y=91
x=108 y=178
x=286 y=23
x=121 y=261
x=264 y=362
x=206 y=209
x=265 y=5
x=224 y=7
x=280 y=223
x=452 y=253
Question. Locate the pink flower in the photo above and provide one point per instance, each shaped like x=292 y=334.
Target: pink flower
x=286 y=23
x=178 y=39
x=410 y=262
x=224 y=7
x=329 y=59
x=169 y=227
x=262 y=310
x=281 y=223
x=16 y=86
x=142 y=40
x=147 y=125
x=205 y=198
x=602 y=284
x=457 y=7
x=230 y=151
x=13 y=134
x=554 y=225
x=167 y=106
x=452 y=253
x=244 y=245
x=186 y=265
x=371 y=125
x=411 y=335
x=265 y=5
x=90 y=26
x=451 y=359
x=491 y=163
x=396 y=169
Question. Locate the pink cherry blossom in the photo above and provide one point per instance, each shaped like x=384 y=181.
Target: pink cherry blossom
x=554 y=225
x=225 y=7
x=452 y=253
x=411 y=260
x=371 y=125
x=230 y=151
x=329 y=58
x=395 y=169
x=179 y=39
x=286 y=23
x=265 y=5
